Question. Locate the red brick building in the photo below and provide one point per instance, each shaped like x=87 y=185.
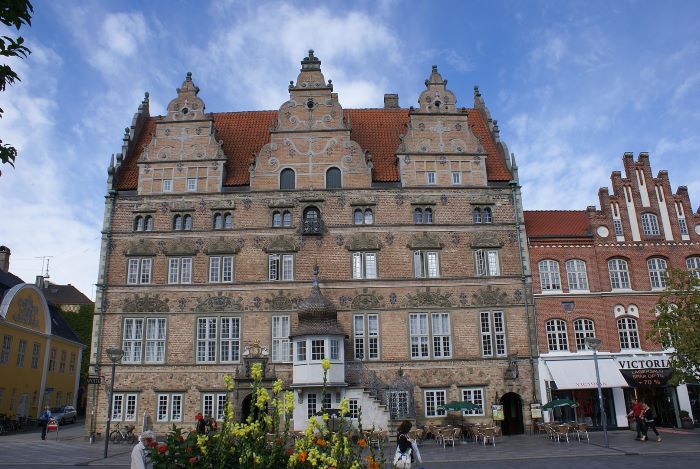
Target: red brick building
x=598 y=273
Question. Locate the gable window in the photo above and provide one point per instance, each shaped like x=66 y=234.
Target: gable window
x=683 y=226
x=423 y=216
x=456 y=177
x=364 y=265
x=191 y=184
x=333 y=179
x=287 y=179
x=363 y=217
x=493 y=334
x=281 y=219
x=280 y=267
x=486 y=263
x=576 y=274
x=425 y=264
x=434 y=402
x=179 y=270
x=281 y=347
x=476 y=215
x=139 y=270
x=557 y=340
x=366 y=336
x=430 y=175
x=583 y=328
x=619 y=274
x=650 y=224
x=628 y=333
x=476 y=397
x=693 y=265
x=220 y=269
x=169 y=408
x=133 y=340
x=549 y=275
x=657 y=272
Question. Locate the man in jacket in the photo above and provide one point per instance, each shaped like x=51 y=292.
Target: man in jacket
x=44 y=421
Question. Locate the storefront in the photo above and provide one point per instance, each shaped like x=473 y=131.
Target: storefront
x=694 y=398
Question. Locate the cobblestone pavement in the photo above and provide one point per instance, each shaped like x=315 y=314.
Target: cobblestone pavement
x=678 y=449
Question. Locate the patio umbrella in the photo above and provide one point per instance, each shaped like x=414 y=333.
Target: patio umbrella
x=459 y=406
x=558 y=403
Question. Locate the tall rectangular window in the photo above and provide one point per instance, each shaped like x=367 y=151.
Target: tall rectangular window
x=221 y=269
x=617 y=225
x=487 y=263
x=180 y=270
x=206 y=340
x=493 y=334
x=366 y=336
x=425 y=264
x=418 y=331
x=132 y=340
x=549 y=275
x=301 y=350
x=683 y=226
x=36 y=350
x=139 y=270
x=353 y=408
x=456 y=177
x=281 y=267
x=311 y=404
x=318 y=349
x=6 y=347
x=364 y=265
x=71 y=366
x=230 y=341
x=433 y=402
x=21 y=351
x=62 y=363
x=334 y=346
x=52 y=359
x=476 y=397
x=619 y=275
x=281 y=347
x=430 y=177
x=169 y=408
x=124 y=407
x=155 y=340
x=214 y=405
x=441 y=335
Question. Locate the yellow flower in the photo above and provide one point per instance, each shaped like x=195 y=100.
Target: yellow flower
x=289 y=402
x=256 y=371
x=344 y=407
x=262 y=399
x=326 y=364
x=277 y=386
x=325 y=417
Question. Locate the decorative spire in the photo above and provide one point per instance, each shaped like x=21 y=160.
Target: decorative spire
x=311 y=62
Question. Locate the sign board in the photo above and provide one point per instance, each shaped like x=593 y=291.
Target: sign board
x=52 y=426
x=647 y=377
x=536 y=411
x=497 y=411
x=94 y=379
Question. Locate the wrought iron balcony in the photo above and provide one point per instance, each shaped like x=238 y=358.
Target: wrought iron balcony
x=312 y=227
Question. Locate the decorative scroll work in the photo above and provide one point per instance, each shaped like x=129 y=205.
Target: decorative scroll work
x=490 y=296
x=219 y=304
x=428 y=298
x=146 y=304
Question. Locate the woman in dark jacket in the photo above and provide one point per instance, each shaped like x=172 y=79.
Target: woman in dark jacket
x=405 y=443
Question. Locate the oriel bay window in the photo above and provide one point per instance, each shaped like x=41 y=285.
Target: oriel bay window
x=218 y=333
x=366 y=336
x=179 y=270
x=133 y=342
x=281 y=267
x=364 y=265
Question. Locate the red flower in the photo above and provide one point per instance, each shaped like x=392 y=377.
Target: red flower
x=162 y=449
x=193 y=460
x=152 y=444
x=290 y=451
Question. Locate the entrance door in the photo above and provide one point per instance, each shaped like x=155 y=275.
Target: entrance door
x=513 y=414
x=660 y=399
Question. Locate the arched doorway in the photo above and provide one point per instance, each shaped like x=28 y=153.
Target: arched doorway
x=513 y=414
x=246 y=406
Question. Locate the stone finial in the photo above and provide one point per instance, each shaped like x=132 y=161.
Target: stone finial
x=477 y=94
x=311 y=62
x=496 y=131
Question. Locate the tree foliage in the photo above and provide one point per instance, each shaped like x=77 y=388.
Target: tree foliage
x=81 y=323
x=13 y=13
x=677 y=325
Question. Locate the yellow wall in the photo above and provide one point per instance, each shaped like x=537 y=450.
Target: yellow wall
x=62 y=382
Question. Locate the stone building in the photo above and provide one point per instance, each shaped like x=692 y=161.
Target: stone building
x=213 y=225
x=598 y=273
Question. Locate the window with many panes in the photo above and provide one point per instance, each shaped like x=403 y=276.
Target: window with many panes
x=650 y=224
x=169 y=408
x=21 y=351
x=36 y=350
x=222 y=334
x=364 y=265
x=493 y=334
x=301 y=350
x=353 y=408
x=619 y=274
x=230 y=339
x=617 y=225
x=557 y=339
x=476 y=397
x=124 y=407
x=318 y=349
x=366 y=336
x=281 y=219
x=139 y=270
x=71 y=363
x=576 y=274
x=133 y=342
x=220 y=269
x=280 y=267
x=214 y=405
x=311 y=403
x=434 y=400
x=419 y=339
x=281 y=347
x=693 y=265
x=628 y=333
x=486 y=263
x=683 y=226
x=442 y=347
x=420 y=335
x=425 y=264
x=423 y=216
x=179 y=270
x=363 y=216
x=549 y=275
x=583 y=328
x=657 y=272
x=206 y=340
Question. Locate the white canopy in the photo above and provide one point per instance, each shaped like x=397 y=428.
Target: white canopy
x=580 y=374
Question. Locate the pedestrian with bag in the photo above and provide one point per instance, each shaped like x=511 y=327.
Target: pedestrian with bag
x=636 y=413
x=649 y=422
x=406 y=448
x=44 y=421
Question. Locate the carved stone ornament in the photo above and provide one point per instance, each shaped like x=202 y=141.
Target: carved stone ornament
x=224 y=205
x=281 y=203
x=423 y=201
x=146 y=304
x=363 y=242
x=182 y=206
x=219 y=304
x=141 y=247
x=486 y=240
x=367 y=300
x=223 y=246
x=180 y=247
x=144 y=208
x=425 y=240
x=281 y=244
x=429 y=298
x=490 y=296
x=363 y=201
x=282 y=301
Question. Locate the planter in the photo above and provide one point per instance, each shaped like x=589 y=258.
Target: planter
x=687 y=424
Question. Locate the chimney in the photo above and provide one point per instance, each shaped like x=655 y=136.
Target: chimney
x=4 y=258
x=391 y=101
x=39 y=281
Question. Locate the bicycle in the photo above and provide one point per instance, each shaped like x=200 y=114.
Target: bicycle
x=123 y=434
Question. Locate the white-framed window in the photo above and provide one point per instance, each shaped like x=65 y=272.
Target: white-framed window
x=280 y=267
x=583 y=328
x=619 y=274
x=476 y=397
x=493 y=334
x=650 y=224
x=334 y=348
x=487 y=263
x=36 y=349
x=220 y=269
x=214 y=405
x=657 y=272
x=301 y=351
x=576 y=274
x=456 y=177
x=169 y=408
x=139 y=270
x=423 y=216
x=617 y=225
x=366 y=336
x=21 y=351
x=487 y=215
x=311 y=404
x=191 y=184
x=476 y=215
x=683 y=226
x=182 y=222
x=230 y=339
x=557 y=339
x=426 y=264
x=133 y=340
x=419 y=339
x=434 y=399
x=353 y=408
x=693 y=265
x=155 y=340
x=281 y=219
x=124 y=407
x=430 y=176
x=442 y=344
x=628 y=333
x=167 y=185
x=179 y=270
x=206 y=340
x=281 y=347
x=363 y=217
x=364 y=265
x=318 y=349
x=549 y=275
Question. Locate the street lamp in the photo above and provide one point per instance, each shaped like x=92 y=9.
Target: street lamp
x=593 y=343
x=114 y=354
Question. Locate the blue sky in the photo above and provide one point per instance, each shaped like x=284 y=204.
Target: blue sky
x=573 y=85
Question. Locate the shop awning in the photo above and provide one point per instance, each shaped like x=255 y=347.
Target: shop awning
x=580 y=374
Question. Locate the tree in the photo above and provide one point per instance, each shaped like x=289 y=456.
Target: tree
x=677 y=325
x=12 y=13
x=81 y=324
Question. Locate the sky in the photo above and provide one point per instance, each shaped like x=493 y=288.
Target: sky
x=572 y=84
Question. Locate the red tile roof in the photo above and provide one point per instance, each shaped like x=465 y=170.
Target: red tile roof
x=557 y=223
x=376 y=130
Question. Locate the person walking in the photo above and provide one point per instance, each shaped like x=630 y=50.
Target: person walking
x=406 y=448
x=649 y=422
x=44 y=421
x=636 y=413
x=139 y=455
